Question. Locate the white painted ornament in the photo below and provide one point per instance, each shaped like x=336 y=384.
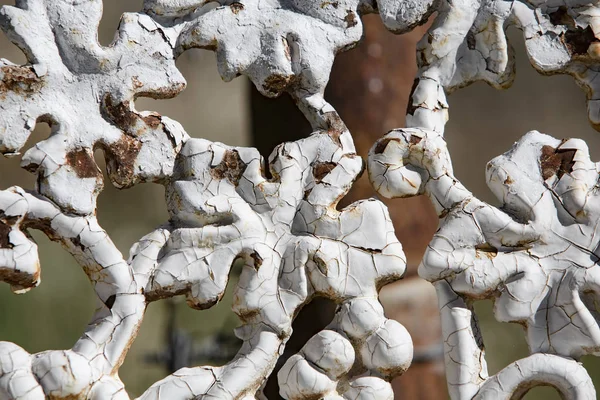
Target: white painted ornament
x=535 y=256
x=294 y=242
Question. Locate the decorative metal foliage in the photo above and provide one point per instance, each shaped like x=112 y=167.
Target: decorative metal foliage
x=536 y=256
x=293 y=241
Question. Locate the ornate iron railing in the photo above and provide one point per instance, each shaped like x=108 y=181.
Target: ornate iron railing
x=536 y=256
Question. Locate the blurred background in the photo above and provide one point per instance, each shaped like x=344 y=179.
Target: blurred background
x=369 y=87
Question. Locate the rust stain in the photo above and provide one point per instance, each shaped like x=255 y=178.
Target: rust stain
x=415 y=139
x=153 y=120
x=334 y=4
x=119 y=113
x=18 y=278
x=247 y=315
x=18 y=79
x=4 y=232
x=122 y=116
x=322 y=266
x=277 y=83
x=556 y=161
x=236 y=7
x=381 y=145
x=577 y=39
x=320 y=170
x=257 y=260
x=137 y=84
x=350 y=19
x=485 y=250
x=231 y=167
x=122 y=156
x=77 y=242
x=83 y=163
x=335 y=126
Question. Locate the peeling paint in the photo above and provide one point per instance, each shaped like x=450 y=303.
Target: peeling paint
x=535 y=256
x=295 y=243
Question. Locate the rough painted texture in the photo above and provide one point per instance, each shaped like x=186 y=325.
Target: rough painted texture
x=535 y=256
x=467 y=43
x=286 y=229
x=85 y=93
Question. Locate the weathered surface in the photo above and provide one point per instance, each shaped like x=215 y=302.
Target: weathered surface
x=295 y=246
x=85 y=92
x=467 y=43
x=536 y=256
x=294 y=242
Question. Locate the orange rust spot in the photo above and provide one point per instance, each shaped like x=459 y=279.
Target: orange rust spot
x=119 y=113
x=486 y=250
x=82 y=162
x=122 y=116
x=153 y=121
x=136 y=82
x=231 y=167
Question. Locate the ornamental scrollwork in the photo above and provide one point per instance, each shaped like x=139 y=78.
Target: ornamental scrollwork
x=283 y=224
x=535 y=255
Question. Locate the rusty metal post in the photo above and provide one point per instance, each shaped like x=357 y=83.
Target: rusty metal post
x=370 y=87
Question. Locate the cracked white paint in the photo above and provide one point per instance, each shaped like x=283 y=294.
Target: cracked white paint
x=466 y=43
x=536 y=256
x=294 y=242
